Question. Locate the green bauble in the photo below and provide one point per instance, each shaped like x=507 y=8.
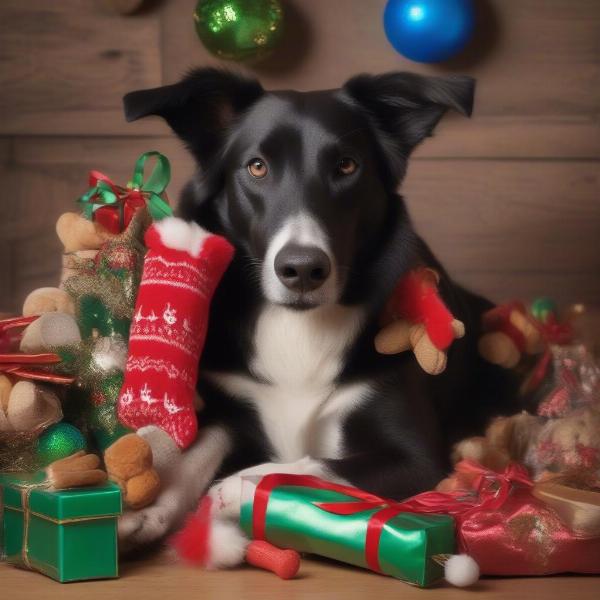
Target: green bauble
x=542 y=308
x=59 y=441
x=239 y=29
x=95 y=315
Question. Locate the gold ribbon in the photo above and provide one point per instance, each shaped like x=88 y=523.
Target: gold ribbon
x=25 y=494
x=26 y=490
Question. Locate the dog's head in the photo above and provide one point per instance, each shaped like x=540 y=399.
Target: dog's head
x=304 y=184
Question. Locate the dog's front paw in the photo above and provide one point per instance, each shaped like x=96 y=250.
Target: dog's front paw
x=145 y=526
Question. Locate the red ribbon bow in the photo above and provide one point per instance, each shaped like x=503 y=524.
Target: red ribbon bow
x=116 y=217
x=491 y=489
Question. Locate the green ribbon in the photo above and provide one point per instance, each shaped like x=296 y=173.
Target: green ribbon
x=105 y=193
x=155 y=185
x=102 y=191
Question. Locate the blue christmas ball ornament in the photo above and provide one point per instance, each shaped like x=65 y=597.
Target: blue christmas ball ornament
x=428 y=31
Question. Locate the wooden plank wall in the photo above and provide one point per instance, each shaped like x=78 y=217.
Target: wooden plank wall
x=510 y=199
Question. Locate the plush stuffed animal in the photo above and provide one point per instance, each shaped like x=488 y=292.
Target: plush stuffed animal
x=416 y=318
x=78 y=470
x=506 y=439
x=81 y=240
x=565 y=449
x=27 y=406
x=510 y=332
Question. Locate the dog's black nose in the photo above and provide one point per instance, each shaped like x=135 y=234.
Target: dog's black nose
x=302 y=268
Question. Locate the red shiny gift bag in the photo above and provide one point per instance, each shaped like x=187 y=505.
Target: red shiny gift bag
x=507 y=530
x=514 y=533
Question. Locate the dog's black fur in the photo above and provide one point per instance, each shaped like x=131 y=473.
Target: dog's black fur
x=398 y=441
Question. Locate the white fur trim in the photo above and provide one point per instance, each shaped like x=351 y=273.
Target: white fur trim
x=226 y=545
x=461 y=570
x=182 y=235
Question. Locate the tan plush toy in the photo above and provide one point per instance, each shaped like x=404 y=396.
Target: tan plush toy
x=78 y=470
x=81 y=240
x=129 y=464
x=27 y=406
x=510 y=332
x=402 y=335
x=506 y=439
x=565 y=449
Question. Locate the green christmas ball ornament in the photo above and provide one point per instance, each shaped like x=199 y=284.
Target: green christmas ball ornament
x=240 y=30
x=59 y=441
x=542 y=308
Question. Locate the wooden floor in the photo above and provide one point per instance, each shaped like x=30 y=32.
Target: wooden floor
x=156 y=579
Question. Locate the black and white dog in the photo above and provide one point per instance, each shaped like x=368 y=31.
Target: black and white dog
x=305 y=187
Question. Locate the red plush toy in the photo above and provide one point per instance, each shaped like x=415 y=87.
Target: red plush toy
x=416 y=318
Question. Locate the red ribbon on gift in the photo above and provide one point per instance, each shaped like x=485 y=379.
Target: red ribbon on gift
x=491 y=489
x=115 y=217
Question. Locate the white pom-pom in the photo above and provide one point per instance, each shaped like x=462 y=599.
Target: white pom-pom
x=226 y=545
x=461 y=570
x=180 y=235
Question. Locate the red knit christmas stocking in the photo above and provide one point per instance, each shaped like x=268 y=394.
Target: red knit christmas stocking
x=182 y=269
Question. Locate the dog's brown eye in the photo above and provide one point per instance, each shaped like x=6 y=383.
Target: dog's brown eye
x=257 y=167
x=347 y=166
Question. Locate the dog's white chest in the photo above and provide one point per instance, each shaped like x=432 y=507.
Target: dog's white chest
x=298 y=356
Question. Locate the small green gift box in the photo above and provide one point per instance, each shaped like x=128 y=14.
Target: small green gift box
x=309 y=514
x=69 y=535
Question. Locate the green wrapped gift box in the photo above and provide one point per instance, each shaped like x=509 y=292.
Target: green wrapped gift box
x=311 y=515
x=69 y=535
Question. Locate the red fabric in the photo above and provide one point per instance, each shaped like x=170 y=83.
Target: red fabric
x=554 y=332
x=417 y=300
x=498 y=319
x=191 y=542
x=116 y=217
x=167 y=335
x=513 y=533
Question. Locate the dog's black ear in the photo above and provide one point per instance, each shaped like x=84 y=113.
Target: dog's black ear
x=198 y=108
x=406 y=107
